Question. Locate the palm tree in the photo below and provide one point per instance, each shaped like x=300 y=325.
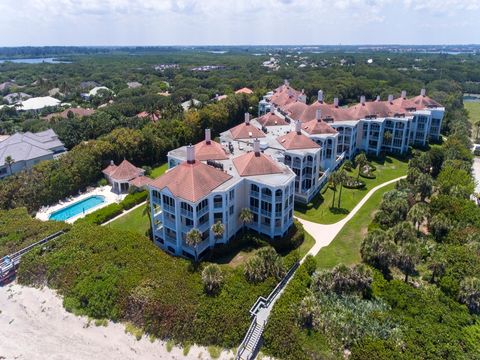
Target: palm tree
x=193 y=239
x=360 y=161
x=255 y=269
x=9 y=161
x=469 y=294
x=212 y=278
x=378 y=250
x=387 y=138
x=308 y=308
x=246 y=217
x=437 y=265
x=218 y=229
x=333 y=181
x=407 y=258
x=418 y=214
x=342 y=177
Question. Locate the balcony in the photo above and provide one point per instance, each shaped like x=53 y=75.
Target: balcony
x=278 y=213
x=169 y=223
x=254 y=193
x=266 y=212
x=217 y=205
x=266 y=197
x=200 y=247
x=204 y=226
x=187 y=213
x=254 y=208
x=170 y=209
x=202 y=211
x=170 y=239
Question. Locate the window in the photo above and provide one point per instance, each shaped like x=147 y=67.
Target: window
x=254 y=187
x=203 y=204
x=231 y=210
x=254 y=203
x=203 y=219
x=217 y=201
x=232 y=195
x=278 y=194
x=217 y=217
x=266 y=206
x=267 y=192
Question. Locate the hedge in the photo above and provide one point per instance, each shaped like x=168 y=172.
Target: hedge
x=133 y=199
x=368 y=175
x=102 y=215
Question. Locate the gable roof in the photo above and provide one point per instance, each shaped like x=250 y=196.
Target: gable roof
x=191 y=182
x=295 y=141
x=211 y=150
x=251 y=164
x=246 y=131
x=271 y=119
x=76 y=111
x=125 y=171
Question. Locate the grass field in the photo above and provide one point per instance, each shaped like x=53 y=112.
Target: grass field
x=160 y=170
x=473 y=109
x=136 y=221
x=345 y=248
x=321 y=212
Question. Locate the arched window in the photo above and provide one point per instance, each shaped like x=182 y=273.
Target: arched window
x=278 y=193
x=267 y=191
x=254 y=187
x=288 y=159
x=309 y=158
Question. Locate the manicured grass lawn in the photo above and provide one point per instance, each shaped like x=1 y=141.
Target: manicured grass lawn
x=320 y=211
x=473 y=109
x=345 y=248
x=160 y=170
x=135 y=221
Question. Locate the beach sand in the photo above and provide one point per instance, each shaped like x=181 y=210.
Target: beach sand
x=34 y=325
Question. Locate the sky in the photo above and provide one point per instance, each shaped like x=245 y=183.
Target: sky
x=238 y=22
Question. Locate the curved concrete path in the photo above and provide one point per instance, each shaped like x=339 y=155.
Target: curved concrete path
x=324 y=234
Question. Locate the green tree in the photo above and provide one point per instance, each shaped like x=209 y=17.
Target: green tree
x=254 y=269
x=407 y=258
x=378 y=250
x=342 y=178
x=333 y=180
x=423 y=186
x=193 y=239
x=469 y=294
x=307 y=310
x=418 y=214
x=360 y=162
x=246 y=217
x=437 y=264
x=218 y=229
x=9 y=161
x=212 y=278
x=439 y=226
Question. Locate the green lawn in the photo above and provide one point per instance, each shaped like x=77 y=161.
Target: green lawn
x=160 y=170
x=473 y=109
x=320 y=211
x=345 y=248
x=135 y=221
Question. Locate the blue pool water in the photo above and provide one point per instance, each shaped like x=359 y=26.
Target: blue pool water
x=77 y=208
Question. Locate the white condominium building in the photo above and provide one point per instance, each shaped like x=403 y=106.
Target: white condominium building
x=268 y=163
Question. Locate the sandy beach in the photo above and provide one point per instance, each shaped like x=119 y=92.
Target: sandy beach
x=35 y=326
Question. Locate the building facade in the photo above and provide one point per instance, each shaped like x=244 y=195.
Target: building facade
x=283 y=156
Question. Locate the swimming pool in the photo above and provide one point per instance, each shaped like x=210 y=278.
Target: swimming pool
x=77 y=208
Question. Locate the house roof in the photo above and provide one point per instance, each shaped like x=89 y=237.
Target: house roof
x=76 y=111
x=211 y=150
x=295 y=109
x=295 y=141
x=285 y=95
x=246 y=131
x=191 y=181
x=251 y=164
x=317 y=127
x=29 y=146
x=141 y=181
x=125 y=171
x=38 y=103
x=271 y=119
x=244 y=90
x=154 y=117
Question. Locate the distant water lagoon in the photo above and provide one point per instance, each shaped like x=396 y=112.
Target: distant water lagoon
x=471 y=97
x=48 y=60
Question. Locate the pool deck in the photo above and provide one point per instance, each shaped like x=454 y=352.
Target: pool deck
x=105 y=191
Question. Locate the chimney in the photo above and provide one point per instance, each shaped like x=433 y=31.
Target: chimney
x=423 y=92
x=298 y=127
x=112 y=163
x=320 y=96
x=378 y=98
x=208 y=136
x=318 y=115
x=335 y=102
x=390 y=98
x=362 y=99
x=247 y=118
x=190 y=154
x=272 y=109
x=286 y=82
x=404 y=94
x=256 y=147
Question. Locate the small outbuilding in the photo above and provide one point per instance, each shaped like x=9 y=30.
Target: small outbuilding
x=123 y=176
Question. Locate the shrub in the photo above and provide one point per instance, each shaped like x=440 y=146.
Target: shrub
x=212 y=278
x=102 y=182
x=134 y=199
x=310 y=264
x=352 y=183
x=102 y=215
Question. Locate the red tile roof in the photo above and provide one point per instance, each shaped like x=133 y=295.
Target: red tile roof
x=209 y=151
x=154 y=117
x=327 y=110
x=125 y=171
x=191 y=182
x=244 y=90
x=246 y=131
x=271 y=119
x=316 y=127
x=285 y=95
x=141 y=181
x=296 y=141
x=295 y=109
x=423 y=101
x=251 y=164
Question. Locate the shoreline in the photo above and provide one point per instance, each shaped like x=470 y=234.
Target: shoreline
x=34 y=325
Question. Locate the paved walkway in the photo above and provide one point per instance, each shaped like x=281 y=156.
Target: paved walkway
x=324 y=234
